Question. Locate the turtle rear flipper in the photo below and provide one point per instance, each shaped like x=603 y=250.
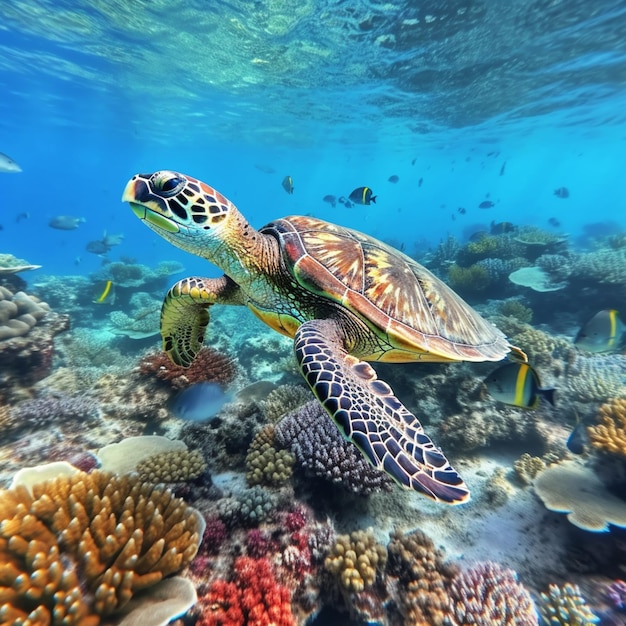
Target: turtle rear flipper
x=370 y=416
x=185 y=314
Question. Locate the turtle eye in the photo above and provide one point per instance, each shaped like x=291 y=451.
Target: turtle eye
x=167 y=184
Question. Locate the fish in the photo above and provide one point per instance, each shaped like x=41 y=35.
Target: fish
x=330 y=200
x=288 y=184
x=341 y=200
x=22 y=216
x=419 y=182
x=562 y=192
x=362 y=195
x=602 y=333
x=517 y=384
x=486 y=204
x=578 y=439
x=413 y=161
x=554 y=222
x=107 y=295
x=266 y=169
x=348 y=204
x=199 y=402
x=462 y=210
x=502 y=169
x=500 y=228
x=66 y=222
x=255 y=392
x=8 y=165
x=394 y=178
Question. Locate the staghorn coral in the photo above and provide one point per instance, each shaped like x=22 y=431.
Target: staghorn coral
x=320 y=450
x=172 y=467
x=265 y=464
x=527 y=467
x=609 y=435
x=597 y=377
x=251 y=597
x=284 y=399
x=356 y=560
x=489 y=595
x=565 y=606
x=43 y=411
x=418 y=578
x=470 y=280
x=80 y=546
x=209 y=366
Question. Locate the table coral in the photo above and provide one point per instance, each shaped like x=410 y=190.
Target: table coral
x=565 y=606
x=356 y=560
x=609 y=435
x=252 y=597
x=172 y=467
x=80 y=546
x=489 y=595
x=418 y=578
x=209 y=366
x=320 y=450
x=265 y=465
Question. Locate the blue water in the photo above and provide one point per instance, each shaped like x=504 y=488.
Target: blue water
x=335 y=94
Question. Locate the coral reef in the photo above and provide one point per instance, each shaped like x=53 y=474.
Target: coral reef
x=489 y=595
x=209 y=366
x=43 y=411
x=320 y=450
x=356 y=560
x=577 y=491
x=514 y=308
x=468 y=281
x=418 y=578
x=253 y=597
x=609 y=435
x=19 y=313
x=597 y=377
x=265 y=464
x=172 y=467
x=139 y=326
x=527 y=467
x=604 y=266
x=81 y=546
x=10 y=264
x=565 y=606
x=557 y=266
x=535 y=278
x=250 y=507
x=284 y=399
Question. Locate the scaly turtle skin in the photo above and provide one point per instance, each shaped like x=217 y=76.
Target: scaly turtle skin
x=344 y=297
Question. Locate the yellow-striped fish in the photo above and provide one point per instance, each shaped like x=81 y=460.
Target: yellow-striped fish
x=108 y=294
x=518 y=384
x=602 y=333
x=362 y=195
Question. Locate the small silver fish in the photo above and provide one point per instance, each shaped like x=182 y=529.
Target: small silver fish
x=8 y=165
x=66 y=222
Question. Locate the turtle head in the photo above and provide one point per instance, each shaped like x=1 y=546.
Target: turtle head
x=185 y=211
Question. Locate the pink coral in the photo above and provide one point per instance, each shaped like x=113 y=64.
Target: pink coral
x=295 y=520
x=252 y=598
x=214 y=535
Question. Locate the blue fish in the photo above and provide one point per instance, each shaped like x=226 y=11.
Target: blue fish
x=577 y=439
x=362 y=195
x=199 y=402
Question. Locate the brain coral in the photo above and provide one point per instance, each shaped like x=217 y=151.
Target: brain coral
x=19 y=312
x=80 y=546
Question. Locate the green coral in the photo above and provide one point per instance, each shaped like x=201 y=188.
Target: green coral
x=565 y=606
x=264 y=463
x=514 y=308
x=356 y=560
x=172 y=467
x=468 y=280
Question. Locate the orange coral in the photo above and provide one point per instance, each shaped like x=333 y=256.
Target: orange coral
x=610 y=433
x=209 y=366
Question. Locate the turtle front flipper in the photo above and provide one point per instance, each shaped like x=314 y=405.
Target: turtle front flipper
x=185 y=314
x=369 y=415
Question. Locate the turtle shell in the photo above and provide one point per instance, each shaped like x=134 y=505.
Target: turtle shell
x=415 y=314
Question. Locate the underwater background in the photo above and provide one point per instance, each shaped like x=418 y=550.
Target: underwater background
x=492 y=135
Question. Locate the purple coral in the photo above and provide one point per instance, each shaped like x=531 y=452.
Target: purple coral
x=490 y=595
x=319 y=448
x=616 y=594
x=42 y=411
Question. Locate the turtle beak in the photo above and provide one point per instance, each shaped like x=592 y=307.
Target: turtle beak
x=138 y=195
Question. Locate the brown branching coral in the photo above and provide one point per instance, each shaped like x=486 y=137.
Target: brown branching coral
x=81 y=546
x=264 y=463
x=610 y=433
x=210 y=365
x=422 y=578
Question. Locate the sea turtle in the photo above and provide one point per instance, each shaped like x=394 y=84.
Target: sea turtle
x=344 y=297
